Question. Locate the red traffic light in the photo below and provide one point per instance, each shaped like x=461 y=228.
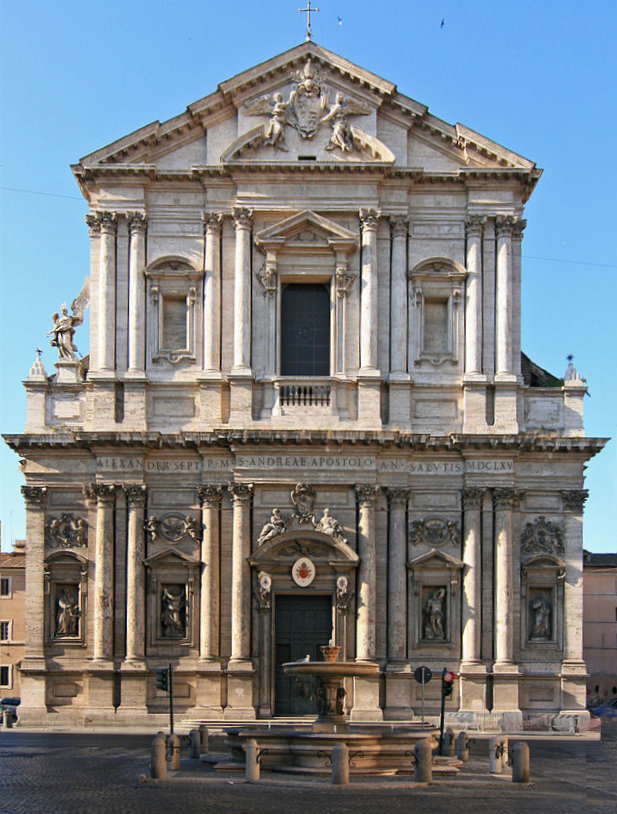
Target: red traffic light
x=449 y=676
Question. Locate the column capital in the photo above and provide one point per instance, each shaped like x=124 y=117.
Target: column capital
x=135 y=494
x=212 y=221
x=472 y=497
x=398 y=495
x=475 y=225
x=240 y=492
x=94 y=224
x=574 y=499
x=89 y=495
x=369 y=218
x=105 y=493
x=505 y=499
x=210 y=495
x=518 y=228
x=137 y=222
x=243 y=217
x=35 y=496
x=366 y=494
x=504 y=224
x=399 y=224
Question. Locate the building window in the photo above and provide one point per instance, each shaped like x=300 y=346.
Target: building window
x=305 y=330
x=5 y=586
x=435 y=332
x=5 y=630
x=5 y=676
x=174 y=323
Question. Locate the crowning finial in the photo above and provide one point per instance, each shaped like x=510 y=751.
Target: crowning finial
x=308 y=11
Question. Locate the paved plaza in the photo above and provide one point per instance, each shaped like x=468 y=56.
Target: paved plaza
x=83 y=773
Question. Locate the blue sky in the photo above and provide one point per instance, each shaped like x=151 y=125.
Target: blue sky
x=535 y=76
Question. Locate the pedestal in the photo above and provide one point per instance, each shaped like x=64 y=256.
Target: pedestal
x=400 y=401
x=398 y=695
x=473 y=688
x=208 y=691
x=101 y=686
x=366 y=699
x=133 y=691
x=369 y=401
x=240 y=693
x=241 y=399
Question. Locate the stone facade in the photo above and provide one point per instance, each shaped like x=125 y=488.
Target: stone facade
x=380 y=441
x=600 y=625
x=12 y=618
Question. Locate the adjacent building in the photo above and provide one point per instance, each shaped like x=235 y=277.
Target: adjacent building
x=600 y=625
x=12 y=617
x=304 y=416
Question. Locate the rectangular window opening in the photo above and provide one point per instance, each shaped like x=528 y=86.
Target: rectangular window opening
x=5 y=586
x=174 y=323
x=305 y=330
x=436 y=326
x=4 y=631
x=5 y=676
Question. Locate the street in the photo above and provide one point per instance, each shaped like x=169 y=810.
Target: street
x=49 y=773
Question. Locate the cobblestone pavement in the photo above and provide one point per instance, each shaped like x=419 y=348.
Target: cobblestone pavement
x=49 y=773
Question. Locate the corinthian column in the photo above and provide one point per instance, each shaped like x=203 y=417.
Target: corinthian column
x=103 y=569
x=137 y=230
x=210 y=499
x=473 y=300
x=503 y=296
x=243 y=219
x=369 y=219
x=573 y=503
x=472 y=575
x=397 y=575
x=241 y=494
x=212 y=293
x=365 y=616
x=135 y=579
x=398 y=297
x=36 y=500
x=505 y=501
x=105 y=222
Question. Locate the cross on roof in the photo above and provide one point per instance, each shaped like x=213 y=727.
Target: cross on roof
x=308 y=11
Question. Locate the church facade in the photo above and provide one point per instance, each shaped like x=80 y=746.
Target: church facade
x=305 y=416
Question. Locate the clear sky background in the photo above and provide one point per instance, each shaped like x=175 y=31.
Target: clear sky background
x=538 y=76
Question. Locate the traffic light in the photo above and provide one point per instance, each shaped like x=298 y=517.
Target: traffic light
x=162 y=679
x=447 y=682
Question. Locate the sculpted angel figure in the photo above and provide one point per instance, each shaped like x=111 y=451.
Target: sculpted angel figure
x=341 y=136
x=277 y=110
x=63 y=332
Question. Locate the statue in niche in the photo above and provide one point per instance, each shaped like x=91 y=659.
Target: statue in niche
x=276 y=525
x=434 y=615
x=64 y=331
x=173 y=615
x=67 y=612
x=541 y=619
x=328 y=525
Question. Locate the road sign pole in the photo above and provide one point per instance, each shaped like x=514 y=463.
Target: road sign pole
x=423 y=703
x=171 y=700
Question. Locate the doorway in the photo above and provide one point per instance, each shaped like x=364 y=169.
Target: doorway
x=302 y=624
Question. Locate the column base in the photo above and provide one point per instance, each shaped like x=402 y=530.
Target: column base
x=573 y=685
x=240 y=679
x=366 y=699
x=369 y=399
x=209 y=690
x=473 y=687
x=398 y=693
x=474 y=405
x=133 y=689
x=241 y=397
x=400 y=400
x=506 y=690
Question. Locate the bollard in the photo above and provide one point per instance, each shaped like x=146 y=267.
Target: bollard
x=495 y=752
x=7 y=719
x=252 y=761
x=158 y=762
x=173 y=744
x=449 y=744
x=195 y=746
x=423 y=768
x=340 y=765
x=462 y=746
x=520 y=762
x=204 y=737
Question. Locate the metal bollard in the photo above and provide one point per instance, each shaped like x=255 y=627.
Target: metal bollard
x=158 y=762
x=173 y=744
x=195 y=746
x=204 y=737
x=495 y=754
x=252 y=761
x=340 y=765
x=520 y=762
x=423 y=768
x=7 y=719
x=449 y=744
x=462 y=746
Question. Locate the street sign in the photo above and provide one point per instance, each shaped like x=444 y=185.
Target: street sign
x=422 y=675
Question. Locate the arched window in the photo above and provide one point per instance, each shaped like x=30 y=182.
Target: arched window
x=305 y=330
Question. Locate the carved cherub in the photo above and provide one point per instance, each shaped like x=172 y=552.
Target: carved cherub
x=276 y=109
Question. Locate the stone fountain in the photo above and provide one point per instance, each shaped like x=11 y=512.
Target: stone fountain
x=374 y=749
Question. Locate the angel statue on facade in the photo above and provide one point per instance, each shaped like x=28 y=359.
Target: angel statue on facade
x=65 y=324
x=276 y=108
x=341 y=136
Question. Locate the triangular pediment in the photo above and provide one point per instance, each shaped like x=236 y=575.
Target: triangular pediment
x=435 y=559
x=305 y=107
x=170 y=556
x=306 y=229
